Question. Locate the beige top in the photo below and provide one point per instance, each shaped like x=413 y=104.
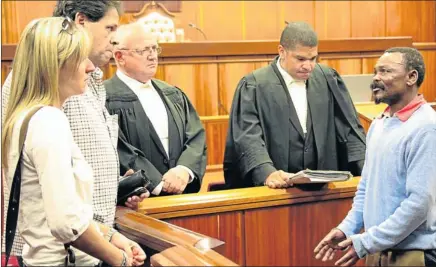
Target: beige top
x=56 y=189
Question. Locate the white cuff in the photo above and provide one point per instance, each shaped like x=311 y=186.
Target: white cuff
x=191 y=174
x=158 y=189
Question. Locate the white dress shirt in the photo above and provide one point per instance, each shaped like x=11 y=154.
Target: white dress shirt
x=56 y=189
x=154 y=108
x=298 y=92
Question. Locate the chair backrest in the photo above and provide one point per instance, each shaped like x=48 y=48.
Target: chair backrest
x=162 y=27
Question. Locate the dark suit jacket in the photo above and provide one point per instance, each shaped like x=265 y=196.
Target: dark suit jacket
x=265 y=134
x=139 y=146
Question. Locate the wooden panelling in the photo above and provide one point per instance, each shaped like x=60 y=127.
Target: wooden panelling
x=267 y=27
x=368 y=18
x=216 y=27
x=399 y=22
x=216 y=131
x=295 y=229
x=204 y=224
x=191 y=249
x=227 y=226
x=6 y=68
x=345 y=66
x=229 y=75
x=368 y=65
x=333 y=19
x=261 y=226
x=209 y=72
x=199 y=82
x=428 y=87
x=262 y=20
x=296 y=11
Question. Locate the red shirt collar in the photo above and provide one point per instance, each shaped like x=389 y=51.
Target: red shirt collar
x=405 y=113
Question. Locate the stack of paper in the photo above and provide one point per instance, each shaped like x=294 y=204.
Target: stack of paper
x=309 y=176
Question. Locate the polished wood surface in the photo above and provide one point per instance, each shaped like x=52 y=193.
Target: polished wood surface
x=428 y=87
x=247 y=20
x=241 y=199
x=176 y=246
x=261 y=226
x=210 y=81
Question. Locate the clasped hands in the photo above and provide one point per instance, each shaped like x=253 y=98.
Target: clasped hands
x=175 y=180
x=135 y=256
x=279 y=179
x=333 y=242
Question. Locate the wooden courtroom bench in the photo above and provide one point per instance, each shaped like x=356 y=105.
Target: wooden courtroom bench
x=261 y=226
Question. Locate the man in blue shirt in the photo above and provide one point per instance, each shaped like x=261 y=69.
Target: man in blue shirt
x=395 y=201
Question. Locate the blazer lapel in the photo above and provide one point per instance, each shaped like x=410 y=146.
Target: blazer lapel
x=290 y=111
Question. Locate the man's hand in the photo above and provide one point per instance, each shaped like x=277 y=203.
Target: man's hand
x=328 y=246
x=175 y=180
x=133 y=202
x=134 y=252
x=351 y=257
x=278 y=179
x=129 y=172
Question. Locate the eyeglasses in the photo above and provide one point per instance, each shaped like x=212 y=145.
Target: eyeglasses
x=68 y=26
x=148 y=50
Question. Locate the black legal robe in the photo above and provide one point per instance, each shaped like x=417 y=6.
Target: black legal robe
x=139 y=146
x=265 y=134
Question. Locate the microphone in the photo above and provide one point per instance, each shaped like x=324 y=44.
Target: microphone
x=192 y=25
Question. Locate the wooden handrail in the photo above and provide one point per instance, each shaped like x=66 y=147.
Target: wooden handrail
x=182 y=256
x=176 y=246
x=160 y=235
x=242 y=199
x=425 y=46
x=260 y=47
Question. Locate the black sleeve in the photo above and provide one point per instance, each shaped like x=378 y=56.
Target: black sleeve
x=246 y=135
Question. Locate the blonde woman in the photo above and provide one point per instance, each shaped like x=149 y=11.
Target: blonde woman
x=55 y=207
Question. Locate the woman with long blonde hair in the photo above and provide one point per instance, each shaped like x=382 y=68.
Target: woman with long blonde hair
x=55 y=202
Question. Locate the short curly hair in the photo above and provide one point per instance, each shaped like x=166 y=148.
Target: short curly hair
x=412 y=60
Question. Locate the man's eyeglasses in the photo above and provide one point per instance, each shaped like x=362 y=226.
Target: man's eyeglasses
x=68 y=26
x=148 y=50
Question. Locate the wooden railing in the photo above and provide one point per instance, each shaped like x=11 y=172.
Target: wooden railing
x=175 y=246
x=261 y=226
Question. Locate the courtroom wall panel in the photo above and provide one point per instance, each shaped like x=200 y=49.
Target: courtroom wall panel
x=428 y=87
x=247 y=20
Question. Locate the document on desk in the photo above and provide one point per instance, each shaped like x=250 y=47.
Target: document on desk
x=310 y=176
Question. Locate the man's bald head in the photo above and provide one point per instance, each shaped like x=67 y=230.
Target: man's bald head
x=136 y=51
x=128 y=34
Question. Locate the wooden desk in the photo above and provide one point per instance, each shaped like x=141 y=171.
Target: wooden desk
x=257 y=223
x=368 y=111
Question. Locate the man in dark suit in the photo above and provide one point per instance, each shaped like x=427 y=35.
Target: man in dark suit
x=155 y=118
x=291 y=115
